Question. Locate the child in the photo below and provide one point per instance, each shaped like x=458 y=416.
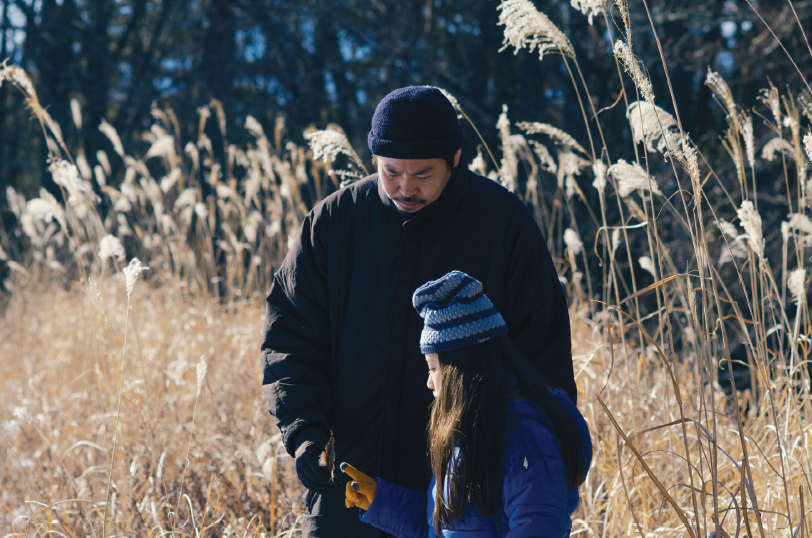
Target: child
x=509 y=451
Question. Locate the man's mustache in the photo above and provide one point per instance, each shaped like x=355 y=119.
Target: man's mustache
x=409 y=200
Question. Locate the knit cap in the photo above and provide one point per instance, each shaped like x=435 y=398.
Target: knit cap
x=456 y=312
x=416 y=122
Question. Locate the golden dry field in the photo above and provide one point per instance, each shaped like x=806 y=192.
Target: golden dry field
x=131 y=400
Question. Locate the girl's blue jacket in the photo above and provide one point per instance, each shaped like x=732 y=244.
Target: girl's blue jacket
x=537 y=501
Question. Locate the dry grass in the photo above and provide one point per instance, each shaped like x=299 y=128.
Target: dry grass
x=106 y=432
x=62 y=365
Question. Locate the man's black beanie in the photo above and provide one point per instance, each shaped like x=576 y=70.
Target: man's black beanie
x=416 y=122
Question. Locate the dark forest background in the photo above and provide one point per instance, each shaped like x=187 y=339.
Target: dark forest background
x=314 y=62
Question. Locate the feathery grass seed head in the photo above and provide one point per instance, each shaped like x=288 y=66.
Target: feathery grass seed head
x=635 y=69
x=76 y=112
x=599 y=169
x=526 y=27
x=201 y=374
x=649 y=125
x=131 y=272
x=329 y=143
x=692 y=300
x=648 y=265
x=453 y=101
x=573 y=241
x=623 y=7
x=615 y=240
x=751 y=222
x=590 y=8
x=728 y=229
x=746 y=122
x=718 y=85
x=771 y=98
x=110 y=132
x=110 y=247
x=774 y=146
x=546 y=160
x=631 y=177
x=558 y=136
x=797 y=285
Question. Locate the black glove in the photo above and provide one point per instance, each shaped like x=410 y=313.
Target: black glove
x=310 y=443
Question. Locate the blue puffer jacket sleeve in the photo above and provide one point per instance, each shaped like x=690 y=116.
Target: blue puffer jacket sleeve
x=397 y=510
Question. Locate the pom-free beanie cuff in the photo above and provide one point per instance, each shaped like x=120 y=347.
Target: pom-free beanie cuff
x=414 y=149
x=447 y=342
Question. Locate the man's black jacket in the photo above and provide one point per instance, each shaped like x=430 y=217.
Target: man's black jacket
x=341 y=343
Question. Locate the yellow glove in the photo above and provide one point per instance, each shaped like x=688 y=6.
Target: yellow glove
x=360 y=491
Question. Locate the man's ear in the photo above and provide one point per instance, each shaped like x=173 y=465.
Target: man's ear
x=457 y=157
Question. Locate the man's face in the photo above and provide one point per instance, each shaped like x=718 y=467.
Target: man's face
x=414 y=183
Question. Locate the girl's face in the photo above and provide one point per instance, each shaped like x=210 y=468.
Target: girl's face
x=435 y=377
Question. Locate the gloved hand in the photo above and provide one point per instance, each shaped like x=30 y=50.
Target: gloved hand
x=310 y=443
x=361 y=491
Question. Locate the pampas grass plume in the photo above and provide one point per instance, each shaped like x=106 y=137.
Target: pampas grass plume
x=746 y=121
x=632 y=177
x=599 y=169
x=559 y=136
x=646 y=263
x=573 y=241
x=615 y=240
x=590 y=8
x=525 y=26
x=76 y=112
x=649 y=123
x=635 y=69
x=110 y=247
x=110 y=132
x=718 y=85
x=131 y=272
x=201 y=374
x=774 y=146
x=797 y=285
x=751 y=222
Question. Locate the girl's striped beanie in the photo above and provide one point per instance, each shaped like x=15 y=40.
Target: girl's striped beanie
x=456 y=312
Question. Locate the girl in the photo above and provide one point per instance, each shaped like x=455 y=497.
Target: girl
x=509 y=450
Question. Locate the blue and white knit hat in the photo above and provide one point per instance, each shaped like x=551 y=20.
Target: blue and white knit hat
x=456 y=312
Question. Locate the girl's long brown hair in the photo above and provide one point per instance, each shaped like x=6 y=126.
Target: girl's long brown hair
x=471 y=415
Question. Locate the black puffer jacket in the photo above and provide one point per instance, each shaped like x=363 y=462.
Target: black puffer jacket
x=341 y=342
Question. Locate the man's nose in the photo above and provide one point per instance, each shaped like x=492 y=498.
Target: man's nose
x=407 y=186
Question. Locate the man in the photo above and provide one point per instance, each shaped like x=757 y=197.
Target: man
x=341 y=350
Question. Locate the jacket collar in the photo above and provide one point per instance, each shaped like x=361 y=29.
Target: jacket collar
x=452 y=196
